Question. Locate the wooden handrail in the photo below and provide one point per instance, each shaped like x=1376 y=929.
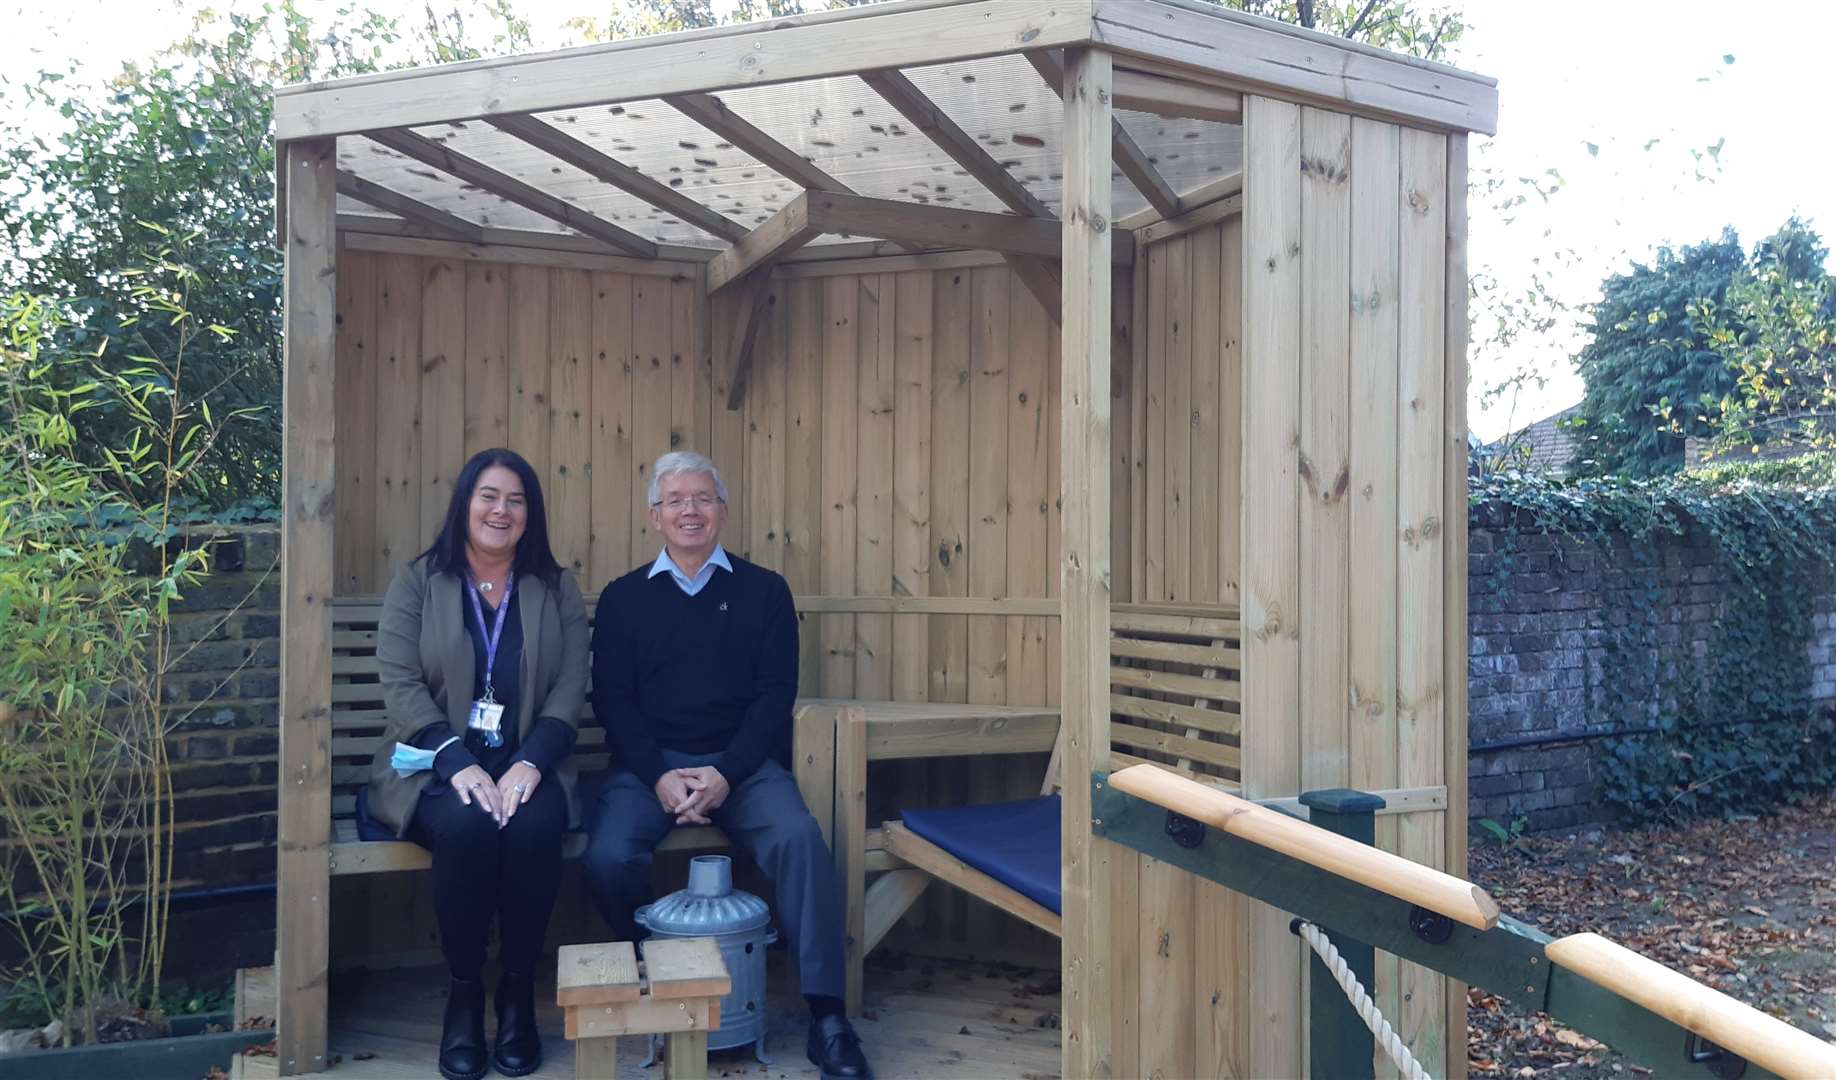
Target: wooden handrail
x=1187 y=618
x=1736 y=1027
x=1390 y=874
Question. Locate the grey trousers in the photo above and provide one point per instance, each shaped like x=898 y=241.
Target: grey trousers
x=765 y=817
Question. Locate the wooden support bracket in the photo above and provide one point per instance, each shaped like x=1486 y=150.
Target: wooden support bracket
x=754 y=310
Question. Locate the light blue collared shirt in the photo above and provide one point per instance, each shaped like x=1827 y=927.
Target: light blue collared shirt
x=691 y=585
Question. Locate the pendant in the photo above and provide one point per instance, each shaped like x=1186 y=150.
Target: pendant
x=484 y=586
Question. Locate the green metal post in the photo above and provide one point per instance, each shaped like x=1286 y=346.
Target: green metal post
x=1340 y=1044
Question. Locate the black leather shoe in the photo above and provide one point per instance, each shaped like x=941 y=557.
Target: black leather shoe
x=462 y=1037
x=519 y=1047
x=836 y=1049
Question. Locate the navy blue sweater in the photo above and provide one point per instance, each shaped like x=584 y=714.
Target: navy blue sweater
x=713 y=673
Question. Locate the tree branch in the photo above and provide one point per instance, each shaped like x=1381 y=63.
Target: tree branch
x=1358 y=23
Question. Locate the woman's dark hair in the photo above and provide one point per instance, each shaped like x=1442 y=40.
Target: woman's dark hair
x=533 y=554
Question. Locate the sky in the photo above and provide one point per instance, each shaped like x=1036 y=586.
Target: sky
x=1611 y=74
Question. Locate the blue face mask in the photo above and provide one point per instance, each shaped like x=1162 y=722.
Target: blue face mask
x=407 y=760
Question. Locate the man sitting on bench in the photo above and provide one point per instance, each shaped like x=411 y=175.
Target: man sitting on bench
x=694 y=679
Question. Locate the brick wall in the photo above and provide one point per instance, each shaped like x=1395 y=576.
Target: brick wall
x=1545 y=613
x=223 y=707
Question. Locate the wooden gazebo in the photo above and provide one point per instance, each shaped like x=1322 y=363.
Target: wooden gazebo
x=996 y=313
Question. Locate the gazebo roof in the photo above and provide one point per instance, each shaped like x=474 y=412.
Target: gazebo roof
x=683 y=144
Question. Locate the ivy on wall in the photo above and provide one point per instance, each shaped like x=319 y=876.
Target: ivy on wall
x=1731 y=730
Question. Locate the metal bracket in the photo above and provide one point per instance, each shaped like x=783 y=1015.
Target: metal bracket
x=1724 y=1064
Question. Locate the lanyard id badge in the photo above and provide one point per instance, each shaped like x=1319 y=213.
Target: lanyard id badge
x=487 y=714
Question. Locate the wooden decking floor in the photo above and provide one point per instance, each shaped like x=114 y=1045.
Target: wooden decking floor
x=922 y=1018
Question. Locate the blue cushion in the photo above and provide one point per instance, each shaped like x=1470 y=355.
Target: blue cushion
x=1016 y=843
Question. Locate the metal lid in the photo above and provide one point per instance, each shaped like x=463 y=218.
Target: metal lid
x=710 y=905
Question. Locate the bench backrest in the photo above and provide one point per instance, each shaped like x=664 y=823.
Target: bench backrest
x=1175 y=691
x=1175 y=696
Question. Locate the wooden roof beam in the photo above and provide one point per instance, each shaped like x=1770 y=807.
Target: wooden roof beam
x=887 y=219
x=600 y=166
x=1129 y=156
x=712 y=113
x=786 y=231
x=509 y=188
x=373 y=194
x=1039 y=278
x=1140 y=91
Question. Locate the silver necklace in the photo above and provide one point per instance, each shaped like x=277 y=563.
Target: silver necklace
x=484 y=586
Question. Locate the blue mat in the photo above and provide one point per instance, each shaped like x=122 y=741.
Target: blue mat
x=1016 y=843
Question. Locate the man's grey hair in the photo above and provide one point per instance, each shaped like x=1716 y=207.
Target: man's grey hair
x=684 y=461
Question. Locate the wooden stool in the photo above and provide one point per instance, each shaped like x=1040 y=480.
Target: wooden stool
x=675 y=992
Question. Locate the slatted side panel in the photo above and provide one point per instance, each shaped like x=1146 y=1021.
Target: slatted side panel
x=1344 y=270
x=588 y=375
x=1179 y=434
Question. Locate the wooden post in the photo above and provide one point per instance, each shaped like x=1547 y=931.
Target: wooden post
x=596 y=1059
x=1084 y=569
x=302 y=925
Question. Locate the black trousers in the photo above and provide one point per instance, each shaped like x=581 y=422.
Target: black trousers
x=765 y=817
x=481 y=871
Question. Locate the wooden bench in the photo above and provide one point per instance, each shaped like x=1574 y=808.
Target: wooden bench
x=359 y=716
x=1175 y=700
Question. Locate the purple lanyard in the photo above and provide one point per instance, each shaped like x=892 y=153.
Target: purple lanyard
x=494 y=631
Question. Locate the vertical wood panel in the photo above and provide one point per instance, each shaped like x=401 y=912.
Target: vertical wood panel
x=1028 y=470
x=1324 y=458
x=1207 y=247
x=1141 y=312
x=570 y=431
x=1177 y=407
x=1271 y=555
x=841 y=369
x=1454 y=599
x=530 y=319
x=487 y=379
x=356 y=405
x=686 y=424
x=1124 y=358
x=1089 y=932
x=766 y=438
x=1230 y=411
x=1420 y=562
x=988 y=528
x=613 y=470
x=952 y=361
x=442 y=388
x=308 y=577
x=726 y=441
x=803 y=464
x=911 y=521
x=398 y=443
x=1166 y=944
x=873 y=634
x=1154 y=424
x=651 y=345
x=988 y=511
x=1371 y=601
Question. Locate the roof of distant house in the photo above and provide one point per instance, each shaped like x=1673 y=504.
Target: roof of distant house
x=1550 y=440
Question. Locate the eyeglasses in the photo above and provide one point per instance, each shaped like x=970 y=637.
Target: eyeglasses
x=678 y=504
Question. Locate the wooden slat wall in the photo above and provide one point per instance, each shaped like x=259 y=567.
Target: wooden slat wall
x=1344 y=380
x=898 y=437
x=1178 y=434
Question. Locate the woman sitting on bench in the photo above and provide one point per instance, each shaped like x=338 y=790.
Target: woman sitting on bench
x=483 y=649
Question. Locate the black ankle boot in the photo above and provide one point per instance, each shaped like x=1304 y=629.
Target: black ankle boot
x=462 y=1038
x=519 y=1047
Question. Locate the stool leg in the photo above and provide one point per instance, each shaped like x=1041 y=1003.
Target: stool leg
x=596 y=1059
x=685 y=1056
